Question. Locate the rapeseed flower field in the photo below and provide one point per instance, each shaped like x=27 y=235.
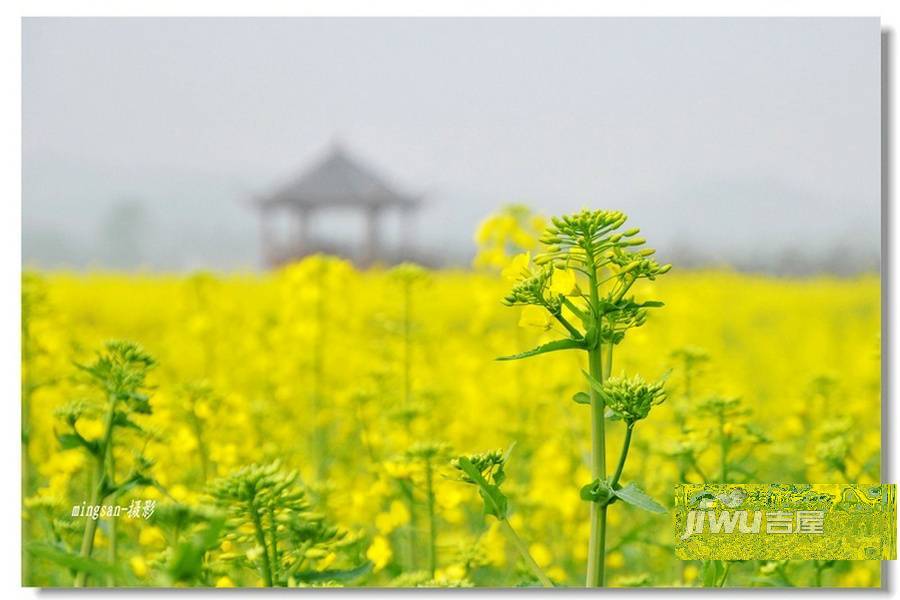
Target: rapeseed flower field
x=303 y=427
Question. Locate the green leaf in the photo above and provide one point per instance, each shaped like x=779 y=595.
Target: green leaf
x=334 y=574
x=635 y=496
x=67 y=441
x=581 y=398
x=508 y=452
x=187 y=561
x=583 y=316
x=592 y=337
x=74 y=562
x=495 y=502
x=469 y=469
x=597 y=491
x=555 y=345
x=594 y=383
x=139 y=403
x=652 y=304
x=135 y=480
x=120 y=419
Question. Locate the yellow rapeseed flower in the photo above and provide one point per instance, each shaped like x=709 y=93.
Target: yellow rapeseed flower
x=535 y=317
x=516 y=266
x=138 y=566
x=541 y=554
x=151 y=536
x=563 y=281
x=615 y=560
x=379 y=553
x=90 y=429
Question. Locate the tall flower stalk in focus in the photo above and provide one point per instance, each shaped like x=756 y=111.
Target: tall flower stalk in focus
x=119 y=374
x=582 y=281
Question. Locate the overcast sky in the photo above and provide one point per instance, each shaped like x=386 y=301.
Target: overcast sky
x=728 y=137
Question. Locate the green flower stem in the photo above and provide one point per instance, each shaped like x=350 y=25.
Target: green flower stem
x=725 y=574
x=411 y=527
x=273 y=536
x=90 y=527
x=597 y=543
x=526 y=556
x=625 y=444
x=820 y=567
x=576 y=310
x=113 y=530
x=261 y=540
x=432 y=528
x=585 y=242
x=565 y=323
x=625 y=288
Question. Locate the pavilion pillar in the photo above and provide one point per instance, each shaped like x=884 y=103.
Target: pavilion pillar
x=267 y=237
x=406 y=233
x=372 y=247
x=301 y=242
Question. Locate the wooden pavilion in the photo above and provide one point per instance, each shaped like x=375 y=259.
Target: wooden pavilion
x=338 y=182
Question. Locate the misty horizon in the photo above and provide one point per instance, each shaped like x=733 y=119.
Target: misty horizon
x=145 y=141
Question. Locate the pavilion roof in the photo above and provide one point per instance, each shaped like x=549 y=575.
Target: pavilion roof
x=338 y=180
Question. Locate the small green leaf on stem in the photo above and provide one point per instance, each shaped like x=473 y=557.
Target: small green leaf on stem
x=597 y=491
x=555 y=345
x=495 y=502
x=67 y=441
x=581 y=398
x=635 y=496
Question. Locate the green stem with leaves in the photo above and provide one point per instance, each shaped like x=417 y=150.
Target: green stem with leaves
x=588 y=243
x=97 y=495
x=597 y=543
